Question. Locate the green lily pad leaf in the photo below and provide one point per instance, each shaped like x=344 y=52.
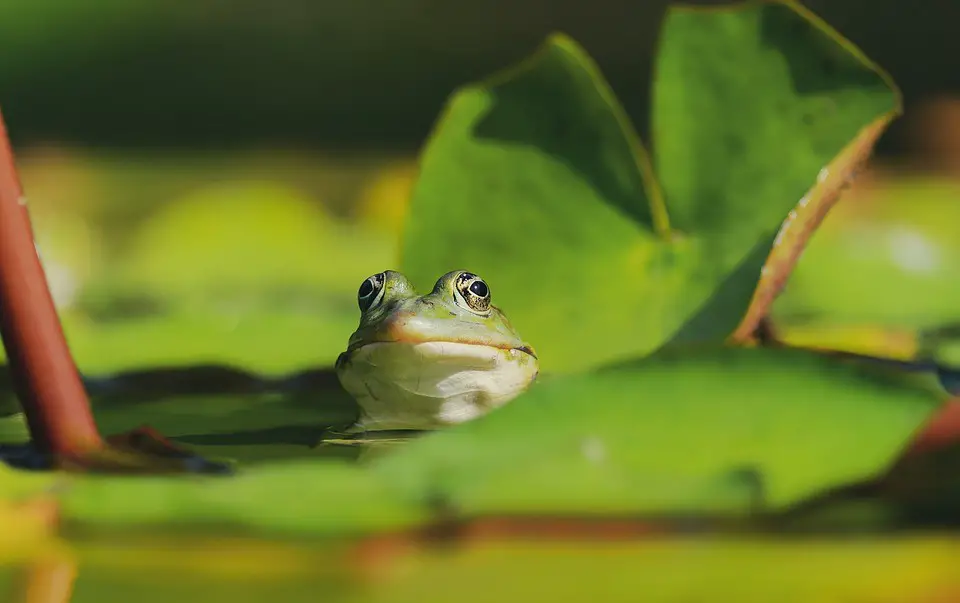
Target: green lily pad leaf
x=219 y=412
x=535 y=180
x=300 y=497
x=720 y=151
x=724 y=431
x=749 y=426
x=894 y=244
x=717 y=432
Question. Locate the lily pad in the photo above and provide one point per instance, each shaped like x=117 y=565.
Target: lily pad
x=749 y=426
x=299 y=498
x=895 y=245
x=535 y=180
x=219 y=411
x=721 y=432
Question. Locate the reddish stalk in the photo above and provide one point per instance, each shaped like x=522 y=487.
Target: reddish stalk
x=940 y=432
x=44 y=374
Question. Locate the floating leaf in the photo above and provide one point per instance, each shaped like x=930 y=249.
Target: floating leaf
x=775 y=426
x=534 y=180
x=218 y=411
x=717 y=432
x=293 y=498
x=735 y=157
x=894 y=245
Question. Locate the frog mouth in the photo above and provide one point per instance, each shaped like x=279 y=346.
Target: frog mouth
x=442 y=356
x=525 y=349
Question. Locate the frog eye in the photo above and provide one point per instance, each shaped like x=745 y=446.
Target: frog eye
x=474 y=292
x=371 y=291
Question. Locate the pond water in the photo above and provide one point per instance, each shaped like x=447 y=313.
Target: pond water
x=187 y=570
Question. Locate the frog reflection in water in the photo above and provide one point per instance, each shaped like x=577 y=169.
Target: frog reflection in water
x=419 y=362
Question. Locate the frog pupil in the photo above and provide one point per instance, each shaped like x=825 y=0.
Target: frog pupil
x=479 y=288
x=365 y=289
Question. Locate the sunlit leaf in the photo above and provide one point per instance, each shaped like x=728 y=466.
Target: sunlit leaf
x=880 y=277
x=294 y=498
x=887 y=259
x=534 y=180
x=719 y=432
x=721 y=149
x=775 y=426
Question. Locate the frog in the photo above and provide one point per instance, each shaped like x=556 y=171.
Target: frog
x=424 y=362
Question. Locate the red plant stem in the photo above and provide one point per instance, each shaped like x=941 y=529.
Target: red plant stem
x=44 y=373
x=941 y=431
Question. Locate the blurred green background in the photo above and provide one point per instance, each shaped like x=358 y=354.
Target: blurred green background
x=211 y=181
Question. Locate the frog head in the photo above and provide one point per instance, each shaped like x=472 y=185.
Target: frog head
x=425 y=361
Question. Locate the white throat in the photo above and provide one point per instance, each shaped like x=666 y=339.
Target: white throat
x=428 y=385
